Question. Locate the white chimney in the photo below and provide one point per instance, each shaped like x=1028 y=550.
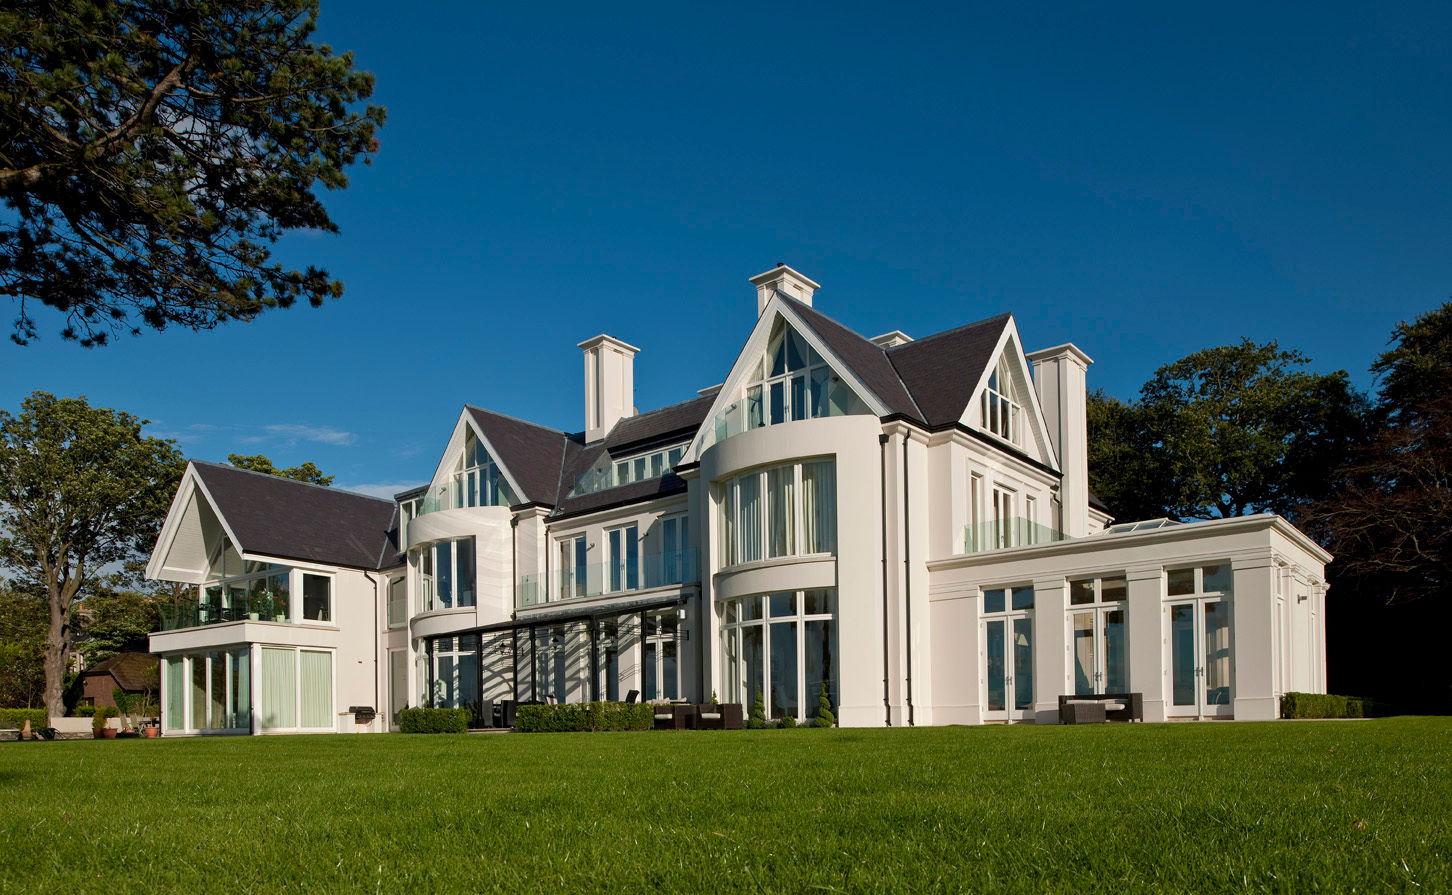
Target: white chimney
x=609 y=384
x=781 y=277
x=1059 y=375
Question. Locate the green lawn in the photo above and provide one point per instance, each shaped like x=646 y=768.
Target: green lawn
x=1284 y=807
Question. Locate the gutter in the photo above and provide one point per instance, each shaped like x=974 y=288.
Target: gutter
x=907 y=574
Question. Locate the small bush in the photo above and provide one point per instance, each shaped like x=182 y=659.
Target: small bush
x=1323 y=705
x=434 y=720
x=824 y=718
x=98 y=720
x=757 y=720
x=787 y=721
x=16 y=718
x=122 y=700
x=83 y=711
x=590 y=716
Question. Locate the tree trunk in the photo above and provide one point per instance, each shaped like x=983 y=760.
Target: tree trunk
x=60 y=595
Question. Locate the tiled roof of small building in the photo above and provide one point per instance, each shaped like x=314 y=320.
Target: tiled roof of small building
x=134 y=672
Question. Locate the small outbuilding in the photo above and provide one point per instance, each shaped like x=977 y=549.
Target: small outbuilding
x=136 y=673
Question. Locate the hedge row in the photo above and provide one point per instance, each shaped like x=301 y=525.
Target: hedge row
x=584 y=716
x=1323 y=705
x=434 y=720
x=16 y=718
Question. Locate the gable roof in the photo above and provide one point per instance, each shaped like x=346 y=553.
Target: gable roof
x=132 y=671
x=532 y=453
x=682 y=418
x=942 y=370
x=867 y=361
x=273 y=516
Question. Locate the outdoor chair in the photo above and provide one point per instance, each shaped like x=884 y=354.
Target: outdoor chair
x=631 y=696
x=674 y=716
x=1100 y=707
x=719 y=717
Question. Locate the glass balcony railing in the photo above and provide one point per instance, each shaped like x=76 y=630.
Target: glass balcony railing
x=829 y=398
x=238 y=609
x=599 y=579
x=1006 y=533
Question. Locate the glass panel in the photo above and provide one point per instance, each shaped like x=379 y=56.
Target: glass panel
x=649 y=689
x=317 y=689
x=993 y=600
x=1023 y=597
x=781 y=520
x=754 y=417
x=1182 y=650
x=617 y=568
x=818 y=602
x=783 y=604
x=217 y=698
x=997 y=669
x=670 y=673
x=317 y=598
x=1116 y=652
x=632 y=558
x=397 y=603
x=279 y=688
x=1081 y=592
x=777 y=351
x=1084 y=667
x=1217 y=653
x=783 y=669
x=820 y=665
x=199 y=692
x=778 y=402
x=464 y=584
x=749 y=518
x=1182 y=582
x=638 y=469
x=240 y=708
x=622 y=472
x=1023 y=663
x=1217 y=579
x=819 y=391
x=397 y=684
x=799 y=397
x=176 y=693
x=444 y=574
x=796 y=351
x=1112 y=590
x=750 y=608
x=819 y=506
x=657 y=465
x=468 y=665
x=751 y=661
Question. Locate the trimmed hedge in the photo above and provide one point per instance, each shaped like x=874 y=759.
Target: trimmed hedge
x=434 y=720
x=1323 y=705
x=16 y=718
x=584 y=716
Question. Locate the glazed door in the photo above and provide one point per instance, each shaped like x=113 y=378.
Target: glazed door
x=1201 y=667
x=1009 y=667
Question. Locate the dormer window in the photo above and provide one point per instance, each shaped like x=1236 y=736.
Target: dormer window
x=478 y=481
x=1000 y=412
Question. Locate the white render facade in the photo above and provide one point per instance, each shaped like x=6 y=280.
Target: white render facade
x=905 y=524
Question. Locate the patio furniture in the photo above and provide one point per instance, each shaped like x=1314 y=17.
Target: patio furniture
x=631 y=696
x=504 y=711
x=484 y=715
x=1100 y=707
x=675 y=716
x=719 y=717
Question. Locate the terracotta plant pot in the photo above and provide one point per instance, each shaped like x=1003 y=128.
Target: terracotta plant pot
x=96 y=732
x=109 y=733
x=153 y=732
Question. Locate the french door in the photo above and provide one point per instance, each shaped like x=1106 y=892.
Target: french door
x=1009 y=667
x=1101 y=651
x=1201 y=664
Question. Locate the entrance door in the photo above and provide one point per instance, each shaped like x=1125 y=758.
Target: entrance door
x=1200 y=658
x=397 y=684
x=1101 y=651
x=1008 y=654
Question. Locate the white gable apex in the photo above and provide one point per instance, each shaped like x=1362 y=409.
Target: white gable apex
x=444 y=471
x=1033 y=438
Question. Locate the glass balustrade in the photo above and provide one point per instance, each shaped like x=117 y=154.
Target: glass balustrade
x=1005 y=533
x=600 y=579
x=221 y=611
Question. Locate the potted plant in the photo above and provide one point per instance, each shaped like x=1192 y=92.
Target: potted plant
x=98 y=723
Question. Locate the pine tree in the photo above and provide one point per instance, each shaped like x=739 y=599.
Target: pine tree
x=758 y=712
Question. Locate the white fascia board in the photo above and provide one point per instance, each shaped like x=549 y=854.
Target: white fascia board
x=756 y=346
x=191 y=483
x=1024 y=383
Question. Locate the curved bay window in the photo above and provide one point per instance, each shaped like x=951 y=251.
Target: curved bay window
x=783 y=646
x=477 y=480
x=782 y=511
x=445 y=573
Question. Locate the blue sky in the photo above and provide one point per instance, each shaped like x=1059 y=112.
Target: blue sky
x=1144 y=181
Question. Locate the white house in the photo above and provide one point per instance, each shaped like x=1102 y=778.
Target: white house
x=907 y=522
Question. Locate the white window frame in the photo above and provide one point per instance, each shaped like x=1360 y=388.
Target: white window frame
x=734 y=548
x=617 y=560
x=1002 y=415
x=427 y=581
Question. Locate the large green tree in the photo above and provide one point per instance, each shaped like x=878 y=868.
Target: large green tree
x=306 y=472
x=1224 y=432
x=80 y=488
x=22 y=647
x=152 y=152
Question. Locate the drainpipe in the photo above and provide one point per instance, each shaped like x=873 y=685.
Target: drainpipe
x=886 y=690
x=907 y=574
x=376 y=646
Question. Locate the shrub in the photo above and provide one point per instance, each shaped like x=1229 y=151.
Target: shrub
x=16 y=718
x=758 y=712
x=83 y=711
x=824 y=718
x=591 y=716
x=434 y=720
x=1323 y=705
x=122 y=700
x=787 y=721
x=98 y=720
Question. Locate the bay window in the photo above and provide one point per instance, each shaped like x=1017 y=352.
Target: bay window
x=783 y=646
x=782 y=511
x=445 y=575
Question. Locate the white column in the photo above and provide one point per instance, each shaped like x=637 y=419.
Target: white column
x=1147 y=641
x=1252 y=608
x=1051 y=648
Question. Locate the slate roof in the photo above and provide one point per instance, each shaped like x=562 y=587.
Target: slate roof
x=941 y=370
x=868 y=361
x=133 y=672
x=656 y=425
x=297 y=520
x=532 y=453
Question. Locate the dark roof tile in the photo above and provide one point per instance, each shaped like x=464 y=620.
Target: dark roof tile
x=133 y=672
x=942 y=370
x=532 y=453
x=864 y=358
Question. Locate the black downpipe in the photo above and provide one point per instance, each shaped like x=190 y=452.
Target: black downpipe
x=886 y=662
x=907 y=574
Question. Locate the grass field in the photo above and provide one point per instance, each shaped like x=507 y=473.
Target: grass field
x=1285 y=807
